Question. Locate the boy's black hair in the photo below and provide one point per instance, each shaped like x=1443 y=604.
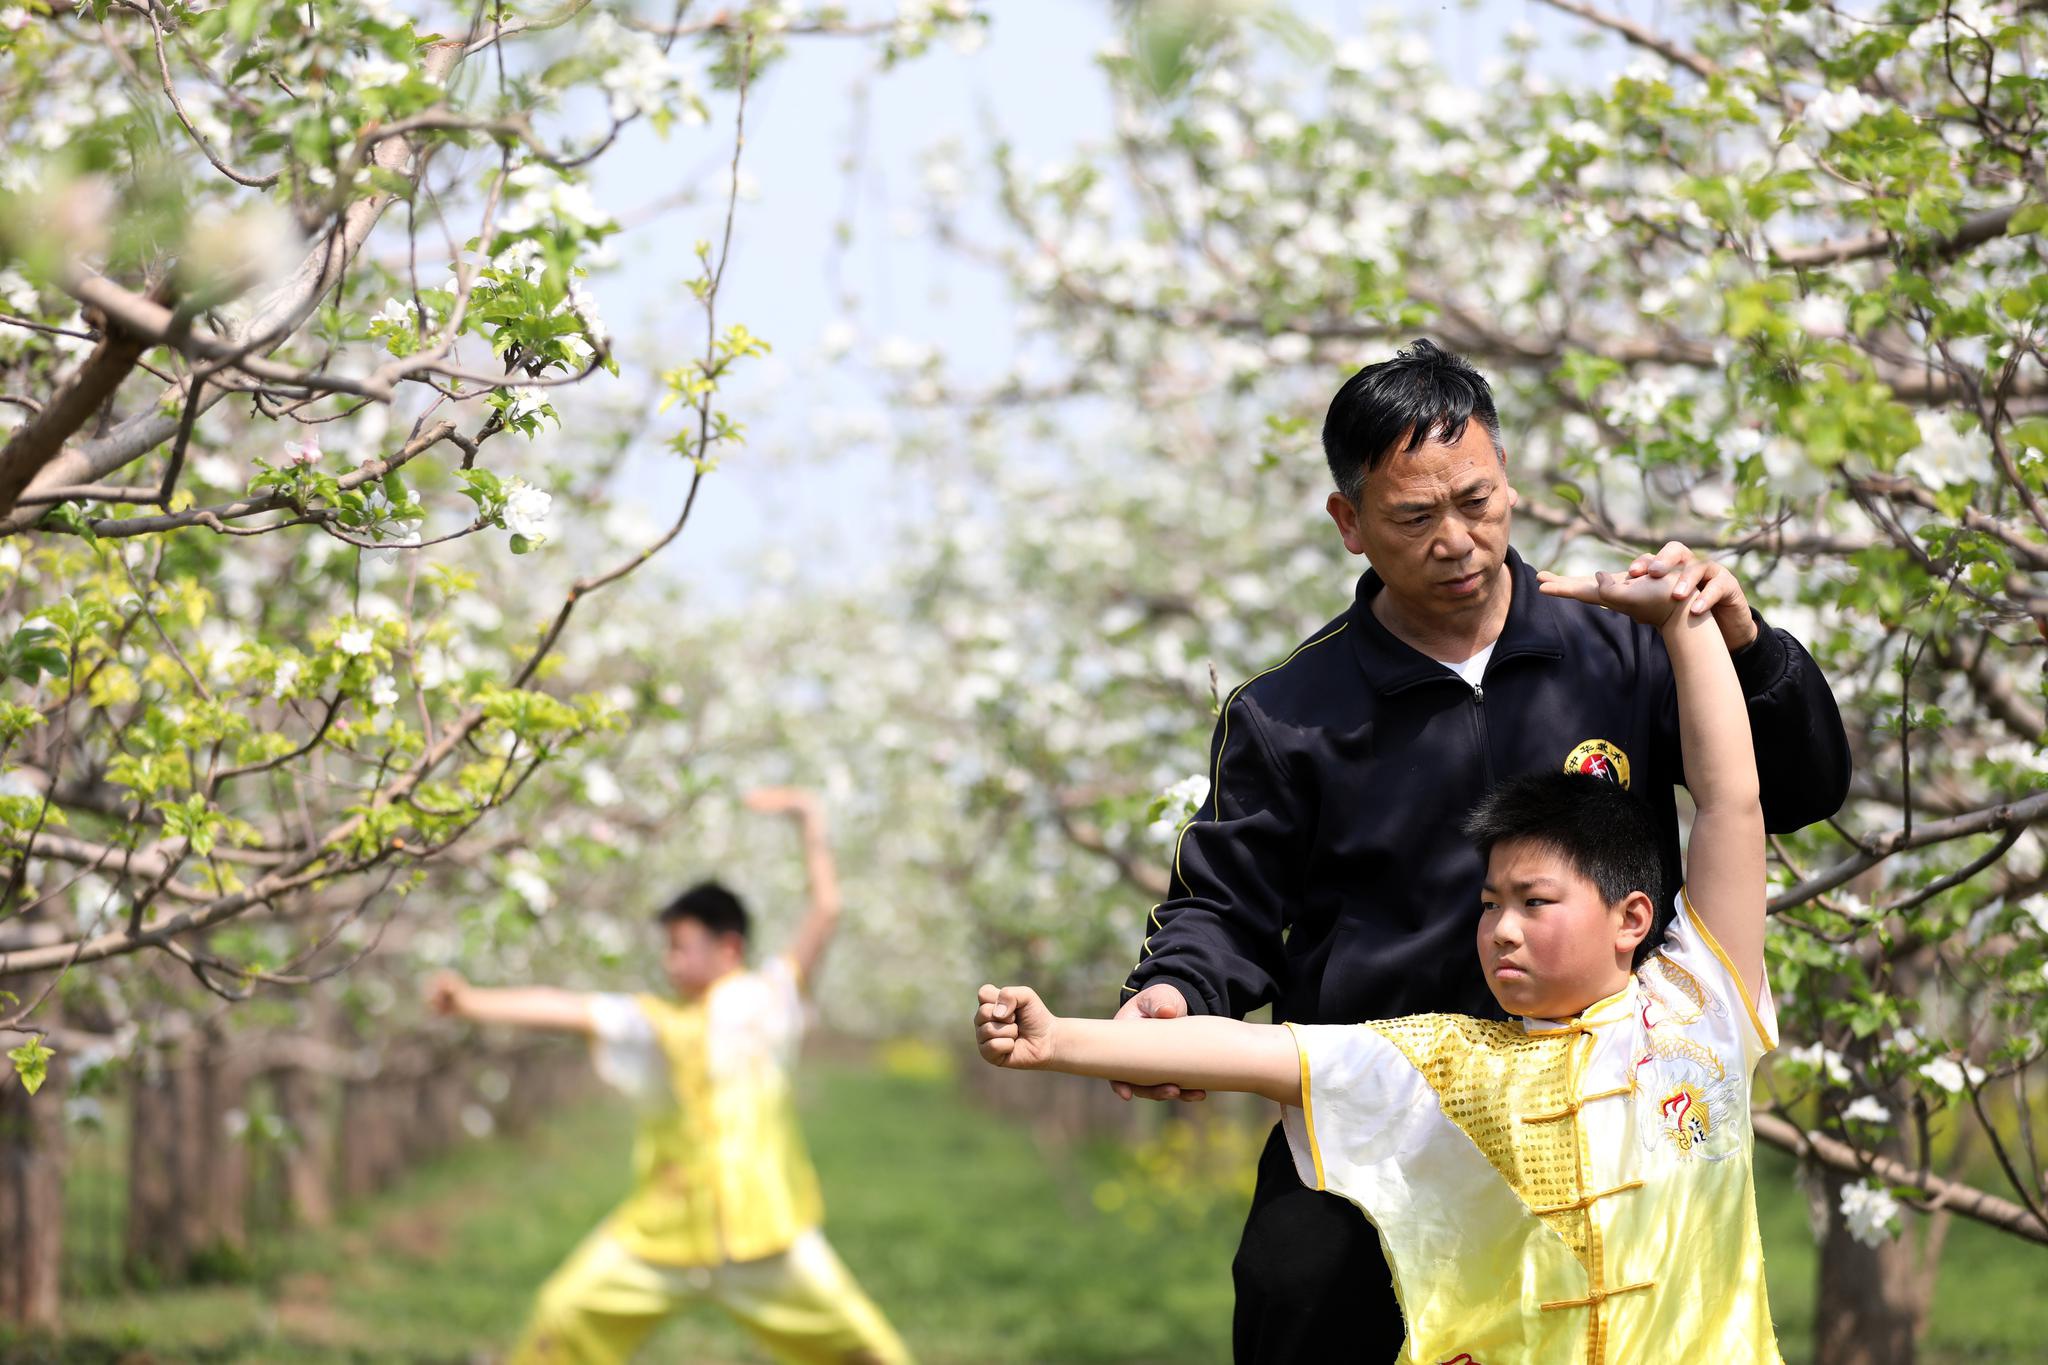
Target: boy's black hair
x=1607 y=834
x=1424 y=392
x=711 y=905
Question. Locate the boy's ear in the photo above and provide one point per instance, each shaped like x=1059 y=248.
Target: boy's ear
x=1638 y=916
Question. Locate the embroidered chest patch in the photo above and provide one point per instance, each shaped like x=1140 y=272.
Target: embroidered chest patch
x=1599 y=758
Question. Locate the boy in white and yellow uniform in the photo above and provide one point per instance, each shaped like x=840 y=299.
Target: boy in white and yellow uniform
x=1573 y=1185
x=725 y=1206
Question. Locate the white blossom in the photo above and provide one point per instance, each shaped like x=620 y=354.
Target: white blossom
x=523 y=878
x=1945 y=456
x=838 y=338
x=287 y=674
x=1868 y=1211
x=384 y=690
x=1178 y=804
x=17 y=293
x=1821 y=1058
x=355 y=640
x=600 y=786
x=1288 y=348
x=526 y=510
x=1866 y=1109
x=1952 y=1074
x=298 y=454
x=2036 y=909
x=527 y=401
x=1822 y=316
x=375 y=69
x=397 y=313
x=1836 y=110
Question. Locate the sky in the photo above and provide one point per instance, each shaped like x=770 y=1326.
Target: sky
x=800 y=500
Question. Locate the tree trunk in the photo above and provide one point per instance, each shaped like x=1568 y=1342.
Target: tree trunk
x=220 y=1212
x=162 y=1169
x=1868 y=1308
x=306 y=1158
x=32 y=1193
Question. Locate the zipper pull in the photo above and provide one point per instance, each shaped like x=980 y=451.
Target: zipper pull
x=1478 y=695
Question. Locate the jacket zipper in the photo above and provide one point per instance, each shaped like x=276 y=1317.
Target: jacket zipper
x=1479 y=723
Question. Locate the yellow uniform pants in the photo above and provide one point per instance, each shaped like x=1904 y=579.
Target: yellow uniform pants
x=803 y=1306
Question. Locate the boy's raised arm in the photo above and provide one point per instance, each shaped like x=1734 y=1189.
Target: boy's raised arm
x=1724 y=858
x=821 y=874
x=1014 y=1029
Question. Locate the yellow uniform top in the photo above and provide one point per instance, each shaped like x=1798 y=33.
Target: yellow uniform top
x=1558 y=1191
x=720 y=1170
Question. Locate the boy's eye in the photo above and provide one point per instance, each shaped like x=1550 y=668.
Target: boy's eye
x=1535 y=901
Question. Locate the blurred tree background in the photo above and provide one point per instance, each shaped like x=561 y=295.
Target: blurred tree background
x=340 y=643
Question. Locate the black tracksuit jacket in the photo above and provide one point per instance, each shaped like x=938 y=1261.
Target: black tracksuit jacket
x=1325 y=872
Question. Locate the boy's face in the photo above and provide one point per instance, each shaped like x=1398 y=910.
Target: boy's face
x=697 y=957
x=1550 y=944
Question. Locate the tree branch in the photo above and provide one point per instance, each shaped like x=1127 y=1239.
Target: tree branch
x=1952 y=1195
x=37 y=443
x=1875 y=850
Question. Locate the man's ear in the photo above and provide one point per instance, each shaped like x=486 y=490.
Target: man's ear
x=1638 y=917
x=1345 y=513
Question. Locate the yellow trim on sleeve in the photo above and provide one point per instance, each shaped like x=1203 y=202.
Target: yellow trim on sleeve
x=1741 y=987
x=1308 y=1110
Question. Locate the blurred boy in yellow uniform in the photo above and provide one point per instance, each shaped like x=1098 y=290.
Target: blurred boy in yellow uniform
x=725 y=1206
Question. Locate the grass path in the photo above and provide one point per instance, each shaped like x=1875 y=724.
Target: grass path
x=978 y=1245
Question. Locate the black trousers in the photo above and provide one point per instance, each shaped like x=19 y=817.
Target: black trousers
x=1312 y=1286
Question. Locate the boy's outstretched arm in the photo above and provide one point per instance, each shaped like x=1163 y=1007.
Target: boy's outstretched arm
x=530 y=1007
x=1724 y=858
x=821 y=875
x=1014 y=1029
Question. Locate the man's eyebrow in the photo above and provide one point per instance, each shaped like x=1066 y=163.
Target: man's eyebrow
x=1480 y=485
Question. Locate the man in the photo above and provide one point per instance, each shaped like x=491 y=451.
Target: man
x=1325 y=874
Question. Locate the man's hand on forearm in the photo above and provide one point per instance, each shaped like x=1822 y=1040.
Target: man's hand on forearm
x=1711 y=586
x=1155 y=1002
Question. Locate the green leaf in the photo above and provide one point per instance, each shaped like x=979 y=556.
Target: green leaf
x=31 y=1063
x=2027 y=218
x=243 y=16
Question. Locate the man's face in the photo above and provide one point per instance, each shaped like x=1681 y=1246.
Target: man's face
x=1434 y=523
x=1551 y=946
x=696 y=957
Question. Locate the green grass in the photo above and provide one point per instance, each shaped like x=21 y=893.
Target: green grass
x=979 y=1246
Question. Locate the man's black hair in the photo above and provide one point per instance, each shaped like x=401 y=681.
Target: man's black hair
x=1423 y=393
x=711 y=905
x=1607 y=835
